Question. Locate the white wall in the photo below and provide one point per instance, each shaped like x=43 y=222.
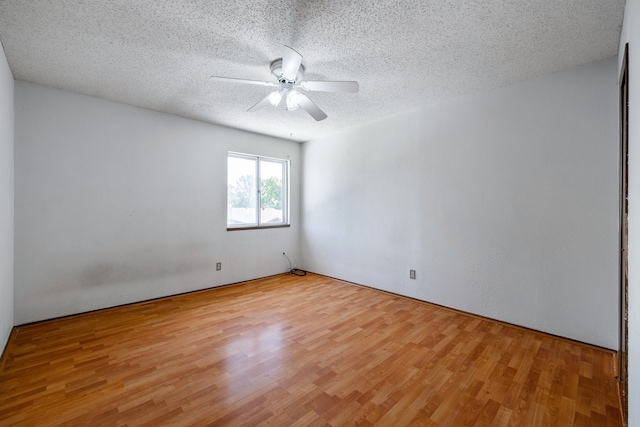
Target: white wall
x=6 y=200
x=631 y=34
x=116 y=204
x=505 y=203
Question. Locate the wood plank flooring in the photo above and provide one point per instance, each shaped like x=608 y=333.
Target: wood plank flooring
x=299 y=351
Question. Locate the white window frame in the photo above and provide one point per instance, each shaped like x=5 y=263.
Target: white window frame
x=285 y=186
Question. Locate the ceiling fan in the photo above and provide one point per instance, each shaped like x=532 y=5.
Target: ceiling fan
x=289 y=72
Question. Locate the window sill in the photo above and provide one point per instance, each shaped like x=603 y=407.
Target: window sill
x=260 y=227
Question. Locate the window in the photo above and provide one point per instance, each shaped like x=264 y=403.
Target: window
x=257 y=191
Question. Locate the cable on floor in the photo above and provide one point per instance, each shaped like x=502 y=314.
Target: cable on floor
x=292 y=270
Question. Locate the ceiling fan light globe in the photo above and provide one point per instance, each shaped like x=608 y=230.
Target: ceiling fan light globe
x=293 y=99
x=275 y=98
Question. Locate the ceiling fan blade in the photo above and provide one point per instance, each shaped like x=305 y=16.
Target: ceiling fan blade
x=328 y=86
x=251 y=82
x=267 y=100
x=310 y=107
x=291 y=61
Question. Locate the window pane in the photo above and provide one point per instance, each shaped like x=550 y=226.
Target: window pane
x=272 y=185
x=241 y=191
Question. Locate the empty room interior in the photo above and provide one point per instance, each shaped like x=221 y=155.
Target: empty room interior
x=320 y=213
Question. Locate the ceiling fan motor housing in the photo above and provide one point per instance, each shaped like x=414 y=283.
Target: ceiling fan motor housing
x=276 y=70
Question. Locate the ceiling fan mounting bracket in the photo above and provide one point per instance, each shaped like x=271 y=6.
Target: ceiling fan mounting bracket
x=276 y=70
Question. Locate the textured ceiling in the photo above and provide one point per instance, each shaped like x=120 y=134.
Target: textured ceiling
x=405 y=54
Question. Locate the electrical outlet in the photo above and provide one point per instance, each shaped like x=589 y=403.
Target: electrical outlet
x=218 y=266
x=412 y=274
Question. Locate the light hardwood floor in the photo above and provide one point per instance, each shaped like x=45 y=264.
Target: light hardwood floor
x=299 y=351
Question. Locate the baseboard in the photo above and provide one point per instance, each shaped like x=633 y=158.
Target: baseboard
x=5 y=355
x=478 y=316
x=52 y=319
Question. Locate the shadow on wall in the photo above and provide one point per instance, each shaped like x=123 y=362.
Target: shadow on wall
x=144 y=268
